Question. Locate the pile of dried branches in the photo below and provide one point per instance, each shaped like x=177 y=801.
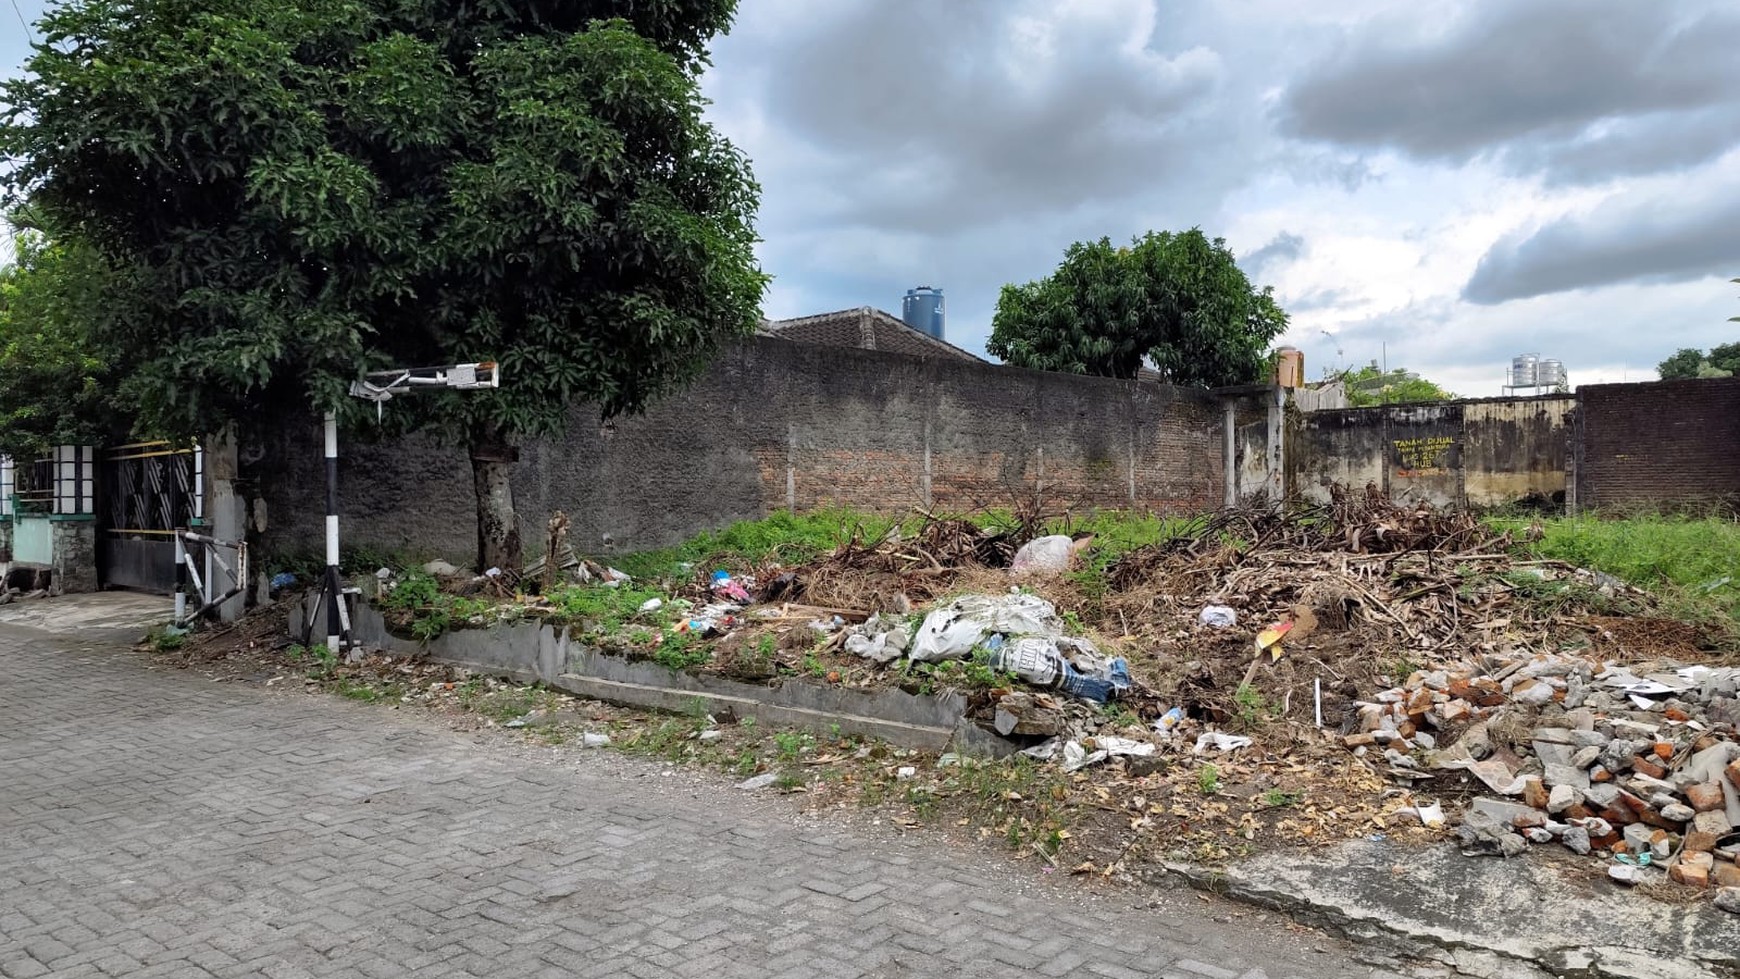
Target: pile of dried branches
x=1407 y=577
x=885 y=572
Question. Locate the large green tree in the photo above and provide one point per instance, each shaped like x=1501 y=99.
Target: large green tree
x=1722 y=360
x=1178 y=300
x=296 y=191
x=57 y=385
x=1372 y=385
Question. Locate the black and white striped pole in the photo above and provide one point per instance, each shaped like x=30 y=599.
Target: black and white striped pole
x=337 y=628
x=380 y=387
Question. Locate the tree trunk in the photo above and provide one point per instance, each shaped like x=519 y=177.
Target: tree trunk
x=498 y=527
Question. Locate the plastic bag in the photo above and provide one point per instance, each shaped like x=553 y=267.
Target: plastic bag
x=952 y=631
x=1043 y=555
x=880 y=639
x=1219 y=616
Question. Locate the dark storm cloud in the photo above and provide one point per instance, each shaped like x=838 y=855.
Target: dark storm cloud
x=1586 y=89
x=951 y=115
x=1286 y=247
x=1644 y=240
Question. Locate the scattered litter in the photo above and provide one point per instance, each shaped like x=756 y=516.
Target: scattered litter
x=593 y=740
x=1219 y=616
x=652 y=605
x=761 y=781
x=1167 y=722
x=905 y=772
x=1222 y=742
x=1431 y=815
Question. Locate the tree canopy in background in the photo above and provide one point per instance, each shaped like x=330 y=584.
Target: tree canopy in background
x=57 y=386
x=1178 y=300
x=291 y=192
x=1718 y=361
x=1372 y=385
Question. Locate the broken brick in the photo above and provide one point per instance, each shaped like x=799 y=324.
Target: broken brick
x=1360 y=740
x=1600 y=774
x=1734 y=772
x=1725 y=875
x=1619 y=814
x=1664 y=751
x=1534 y=794
x=1705 y=797
x=1692 y=869
x=1647 y=766
x=1706 y=829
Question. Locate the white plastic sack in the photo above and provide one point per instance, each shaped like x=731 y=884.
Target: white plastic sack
x=952 y=631
x=1043 y=555
x=1034 y=659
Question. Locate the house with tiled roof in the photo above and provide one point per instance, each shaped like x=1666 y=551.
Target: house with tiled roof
x=865 y=328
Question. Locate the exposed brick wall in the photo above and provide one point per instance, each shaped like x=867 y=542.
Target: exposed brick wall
x=1662 y=445
x=772 y=423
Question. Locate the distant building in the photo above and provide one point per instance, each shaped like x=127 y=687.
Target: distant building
x=865 y=328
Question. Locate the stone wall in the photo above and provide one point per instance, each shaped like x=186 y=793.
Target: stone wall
x=779 y=425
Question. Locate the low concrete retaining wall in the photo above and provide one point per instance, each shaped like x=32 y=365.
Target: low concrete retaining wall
x=537 y=652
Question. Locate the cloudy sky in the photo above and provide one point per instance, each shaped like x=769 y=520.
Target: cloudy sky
x=1445 y=182
x=1452 y=183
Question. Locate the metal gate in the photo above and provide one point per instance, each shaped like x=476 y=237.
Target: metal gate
x=145 y=492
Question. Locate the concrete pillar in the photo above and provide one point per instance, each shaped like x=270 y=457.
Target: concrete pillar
x=226 y=509
x=74 y=546
x=1276 y=478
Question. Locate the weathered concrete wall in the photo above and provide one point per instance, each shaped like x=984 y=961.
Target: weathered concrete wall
x=1664 y=445
x=1459 y=453
x=774 y=425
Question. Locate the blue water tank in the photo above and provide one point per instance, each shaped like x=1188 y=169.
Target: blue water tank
x=923 y=310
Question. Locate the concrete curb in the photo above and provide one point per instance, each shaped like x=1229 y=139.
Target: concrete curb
x=538 y=652
x=1481 y=916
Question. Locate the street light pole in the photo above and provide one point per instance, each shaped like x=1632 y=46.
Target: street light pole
x=379 y=387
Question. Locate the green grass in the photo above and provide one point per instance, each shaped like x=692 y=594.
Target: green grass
x=786 y=537
x=1693 y=562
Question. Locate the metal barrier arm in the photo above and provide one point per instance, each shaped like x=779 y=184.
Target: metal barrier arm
x=239 y=574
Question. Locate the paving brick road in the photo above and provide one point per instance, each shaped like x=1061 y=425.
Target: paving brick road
x=154 y=823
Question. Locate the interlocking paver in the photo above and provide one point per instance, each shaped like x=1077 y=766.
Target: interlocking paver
x=155 y=824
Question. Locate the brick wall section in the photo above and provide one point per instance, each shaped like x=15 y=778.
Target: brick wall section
x=772 y=423
x=1662 y=445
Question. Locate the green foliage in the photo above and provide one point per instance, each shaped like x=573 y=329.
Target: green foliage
x=1176 y=299
x=974 y=673
x=1208 y=779
x=1253 y=708
x=285 y=193
x=788 y=537
x=320 y=660
x=682 y=651
x=1720 y=361
x=1276 y=799
x=166 y=640
x=1693 y=561
x=1371 y=385
x=60 y=384
x=428 y=611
